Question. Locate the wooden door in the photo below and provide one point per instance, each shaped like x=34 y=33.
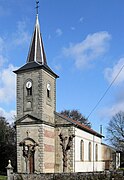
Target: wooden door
x=31 y=163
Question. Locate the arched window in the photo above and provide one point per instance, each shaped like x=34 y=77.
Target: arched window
x=96 y=152
x=82 y=150
x=29 y=87
x=29 y=91
x=48 y=90
x=48 y=93
x=90 y=151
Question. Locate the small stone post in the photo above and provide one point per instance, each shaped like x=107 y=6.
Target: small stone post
x=9 y=171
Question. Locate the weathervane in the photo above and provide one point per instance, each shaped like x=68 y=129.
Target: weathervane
x=37 y=6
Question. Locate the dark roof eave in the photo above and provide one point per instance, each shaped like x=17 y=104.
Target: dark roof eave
x=45 y=67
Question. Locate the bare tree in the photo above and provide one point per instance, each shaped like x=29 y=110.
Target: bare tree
x=66 y=145
x=76 y=115
x=115 y=131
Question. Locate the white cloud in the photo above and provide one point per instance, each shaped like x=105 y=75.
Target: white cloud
x=7 y=77
x=10 y=116
x=7 y=84
x=116 y=74
x=81 y=19
x=21 y=36
x=94 y=46
x=109 y=112
x=116 y=71
x=59 y=32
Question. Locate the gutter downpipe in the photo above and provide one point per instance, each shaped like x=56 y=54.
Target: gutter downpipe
x=93 y=153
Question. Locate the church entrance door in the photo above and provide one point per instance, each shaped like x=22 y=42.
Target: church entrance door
x=31 y=163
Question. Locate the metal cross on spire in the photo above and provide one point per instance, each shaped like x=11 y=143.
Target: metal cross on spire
x=37 y=6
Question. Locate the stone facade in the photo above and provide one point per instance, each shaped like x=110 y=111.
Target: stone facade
x=41 y=111
x=41 y=106
x=35 y=115
x=44 y=155
x=49 y=148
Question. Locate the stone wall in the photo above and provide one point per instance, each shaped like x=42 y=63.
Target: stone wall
x=40 y=106
x=66 y=131
x=71 y=176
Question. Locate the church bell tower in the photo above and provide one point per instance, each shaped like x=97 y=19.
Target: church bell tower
x=36 y=104
x=36 y=82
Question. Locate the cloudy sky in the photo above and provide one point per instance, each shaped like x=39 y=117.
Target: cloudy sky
x=84 y=45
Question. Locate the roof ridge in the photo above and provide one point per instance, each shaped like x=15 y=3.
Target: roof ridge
x=77 y=123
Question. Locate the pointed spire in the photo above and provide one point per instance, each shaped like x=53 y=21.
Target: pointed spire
x=36 y=56
x=36 y=52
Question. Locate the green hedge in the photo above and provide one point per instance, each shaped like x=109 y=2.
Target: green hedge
x=3 y=177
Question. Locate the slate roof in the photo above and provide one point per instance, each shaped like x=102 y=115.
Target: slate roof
x=36 y=56
x=34 y=65
x=36 y=51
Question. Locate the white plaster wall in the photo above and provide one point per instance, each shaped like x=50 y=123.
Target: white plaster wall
x=89 y=166
x=86 y=166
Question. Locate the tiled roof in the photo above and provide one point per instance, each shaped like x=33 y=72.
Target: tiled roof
x=81 y=126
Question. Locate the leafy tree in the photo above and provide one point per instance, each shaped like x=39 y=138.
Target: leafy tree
x=76 y=115
x=115 y=131
x=7 y=144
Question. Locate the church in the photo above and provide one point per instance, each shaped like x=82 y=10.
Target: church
x=39 y=126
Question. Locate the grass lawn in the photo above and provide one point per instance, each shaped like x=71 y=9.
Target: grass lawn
x=3 y=177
